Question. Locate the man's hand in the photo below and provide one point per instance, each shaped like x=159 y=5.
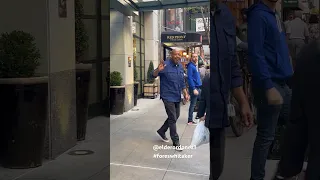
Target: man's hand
x=186 y=97
x=247 y=115
x=274 y=97
x=195 y=92
x=161 y=66
x=203 y=118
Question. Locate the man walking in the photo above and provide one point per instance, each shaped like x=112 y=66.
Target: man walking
x=225 y=75
x=171 y=84
x=271 y=68
x=195 y=84
x=304 y=125
x=298 y=35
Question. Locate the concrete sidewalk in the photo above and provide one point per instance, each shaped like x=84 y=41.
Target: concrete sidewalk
x=132 y=137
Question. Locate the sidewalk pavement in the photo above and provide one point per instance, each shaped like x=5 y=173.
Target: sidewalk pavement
x=132 y=149
x=132 y=137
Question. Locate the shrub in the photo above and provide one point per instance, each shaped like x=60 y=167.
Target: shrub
x=19 y=55
x=81 y=36
x=115 y=78
x=150 y=79
x=135 y=73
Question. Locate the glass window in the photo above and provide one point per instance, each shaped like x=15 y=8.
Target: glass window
x=174 y=19
x=137 y=29
x=143 y=77
x=136 y=19
x=142 y=31
x=137 y=45
x=142 y=18
x=137 y=58
x=142 y=46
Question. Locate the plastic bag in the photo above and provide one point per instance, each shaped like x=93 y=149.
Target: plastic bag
x=201 y=135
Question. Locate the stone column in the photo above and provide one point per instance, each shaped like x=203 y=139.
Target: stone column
x=121 y=48
x=54 y=36
x=151 y=26
x=62 y=86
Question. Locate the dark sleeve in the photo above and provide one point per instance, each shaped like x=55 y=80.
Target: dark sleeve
x=190 y=76
x=236 y=74
x=257 y=63
x=205 y=90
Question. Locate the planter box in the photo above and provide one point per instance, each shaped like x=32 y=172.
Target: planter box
x=82 y=95
x=23 y=110
x=117 y=96
x=150 y=90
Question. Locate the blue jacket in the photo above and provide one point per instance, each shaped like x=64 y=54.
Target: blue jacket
x=194 y=79
x=268 y=49
x=171 y=81
x=225 y=72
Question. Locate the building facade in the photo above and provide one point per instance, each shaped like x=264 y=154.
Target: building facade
x=133 y=35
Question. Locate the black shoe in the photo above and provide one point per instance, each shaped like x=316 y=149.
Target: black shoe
x=162 y=136
x=177 y=146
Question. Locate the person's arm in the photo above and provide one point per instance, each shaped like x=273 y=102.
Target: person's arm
x=190 y=76
x=202 y=102
x=257 y=26
x=155 y=73
x=288 y=30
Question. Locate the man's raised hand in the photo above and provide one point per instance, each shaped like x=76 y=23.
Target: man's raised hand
x=161 y=66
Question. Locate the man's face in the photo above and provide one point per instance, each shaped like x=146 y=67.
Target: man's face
x=175 y=56
x=194 y=58
x=290 y=17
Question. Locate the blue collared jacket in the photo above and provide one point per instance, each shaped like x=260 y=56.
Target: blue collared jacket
x=171 y=82
x=225 y=72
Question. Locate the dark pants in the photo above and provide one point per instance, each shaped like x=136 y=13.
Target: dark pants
x=173 y=112
x=303 y=130
x=217 y=151
x=193 y=102
x=267 y=120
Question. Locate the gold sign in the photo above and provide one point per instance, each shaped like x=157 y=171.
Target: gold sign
x=176 y=38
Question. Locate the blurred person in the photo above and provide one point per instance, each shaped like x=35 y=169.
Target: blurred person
x=172 y=83
x=298 y=35
x=243 y=26
x=269 y=63
x=303 y=128
x=225 y=76
x=289 y=19
x=194 y=82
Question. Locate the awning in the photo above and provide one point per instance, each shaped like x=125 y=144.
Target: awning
x=292 y=4
x=174 y=37
x=148 y=5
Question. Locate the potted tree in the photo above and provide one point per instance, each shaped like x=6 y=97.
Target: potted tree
x=136 y=83
x=23 y=105
x=150 y=89
x=117 y=93
x=82 y=72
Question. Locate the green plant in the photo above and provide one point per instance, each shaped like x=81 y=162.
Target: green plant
x=115 y=78
x=19 y=55
x=135 y=73
x=150 y=79
x=81 y=36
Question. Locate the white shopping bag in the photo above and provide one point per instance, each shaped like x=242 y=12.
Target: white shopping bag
x=200 y=135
